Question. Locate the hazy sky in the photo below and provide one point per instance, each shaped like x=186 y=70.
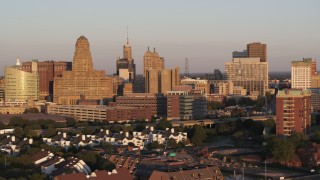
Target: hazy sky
x=205 y=31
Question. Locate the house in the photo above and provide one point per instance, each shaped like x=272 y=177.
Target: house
x=125 y=138
x=199 y=173
x=13 y=145
x=48 y=166
x=61 y=139
x=41 y=157
x=84 y=140
x=116 y=174
x=71 y=165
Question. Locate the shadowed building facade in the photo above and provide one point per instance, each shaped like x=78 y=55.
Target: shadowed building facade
x=83 y=79
x=161 y=81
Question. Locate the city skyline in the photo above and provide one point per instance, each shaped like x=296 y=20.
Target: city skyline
x=206 y=32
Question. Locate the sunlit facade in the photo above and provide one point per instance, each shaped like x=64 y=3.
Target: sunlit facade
x=21 y=85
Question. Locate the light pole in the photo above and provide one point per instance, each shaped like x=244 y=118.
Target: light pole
x=265 y=169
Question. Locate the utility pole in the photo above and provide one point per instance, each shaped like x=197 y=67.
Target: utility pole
x=242 y=173
x=265 y=169
x=5 y=163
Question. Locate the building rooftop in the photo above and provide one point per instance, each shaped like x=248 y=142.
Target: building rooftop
x=293 y=92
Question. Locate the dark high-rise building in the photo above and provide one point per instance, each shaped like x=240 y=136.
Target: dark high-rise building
x=293 y=111
x=240 y=54
x=257 y=49
x=126 y=69
x=46 y=70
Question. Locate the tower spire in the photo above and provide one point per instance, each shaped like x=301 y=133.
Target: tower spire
x=18 y=62
x=127 y=35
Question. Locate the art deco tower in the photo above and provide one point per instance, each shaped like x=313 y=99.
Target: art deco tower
x=82 y=61
x=126 y=69
x=83 y=80
x=151 y=60
x=127 y=51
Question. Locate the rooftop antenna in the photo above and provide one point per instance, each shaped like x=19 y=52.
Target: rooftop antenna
x=186 y=67
x=18 y=62
x=127 y=35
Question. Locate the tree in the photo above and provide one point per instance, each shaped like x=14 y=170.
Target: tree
x=283 y=150
x=245 y=101
x=260 y=102
x=70 y=122
x=315 y=137
x=214 y=105
x=153 y=119
x=89 y=157
x=31 y=110
x=248 y=123
x=37 y=177
x=86 y=131
x=154 y=145
x=223 y=128
x=28 y=132
x=171 y=143
x=17 y=121
x=140 y=127
x=269 y=96
x=163 y=124
x=18 y=132
x=107 y=147
x=105 y=164
x=238 y=136
x=230 y=102
x=199 y=135
x=298 y=139
x=2 y=126
x=50 y=132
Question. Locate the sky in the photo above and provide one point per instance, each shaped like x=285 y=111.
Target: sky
x=204 y=31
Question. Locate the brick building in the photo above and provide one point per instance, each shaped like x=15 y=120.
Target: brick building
x=46 y=70
x=156 y=102
x=292 y=111
x=186 y=105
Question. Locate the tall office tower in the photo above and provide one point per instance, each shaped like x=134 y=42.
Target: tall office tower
x=162 y=81
x=249 y=73
x=20 y=85
x=47 y=70
x=2 y=85
x=83 y=79
x=151 y=60
x=302 y=72
x=293 y=111
x=257 y=49
x=126 y=69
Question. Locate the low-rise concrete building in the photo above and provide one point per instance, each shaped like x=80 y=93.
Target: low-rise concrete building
x=102 y=113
